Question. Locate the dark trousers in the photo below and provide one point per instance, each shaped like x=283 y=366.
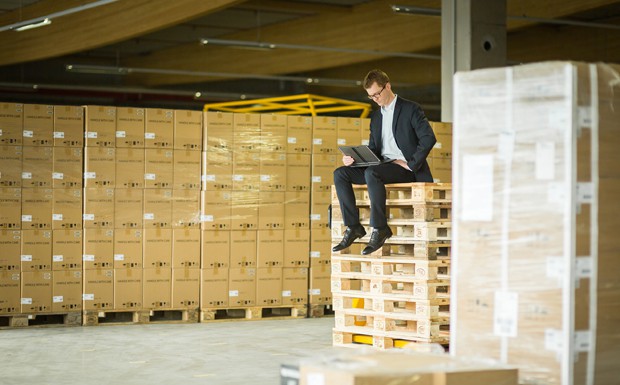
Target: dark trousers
x=375 y=177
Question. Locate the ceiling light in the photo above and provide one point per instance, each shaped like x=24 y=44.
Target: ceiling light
x=416 y=10
x=34 y=25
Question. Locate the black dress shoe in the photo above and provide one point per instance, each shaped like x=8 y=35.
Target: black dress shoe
x=377 y=239
x=350 y=235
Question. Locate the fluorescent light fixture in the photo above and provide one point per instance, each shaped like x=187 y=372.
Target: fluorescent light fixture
x=416 y=10
x=34 y=25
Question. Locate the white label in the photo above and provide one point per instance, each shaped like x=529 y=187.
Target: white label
x=28 y=134
x=265 y=178
x=584 y=116
x=206 y=218
x=149 y=216
x=57 y=217
x=209 y=178
x=316 y=179
x=88 y=297
x=317 y=141
x=315 y=254
x=58 y=175
x=233 y=293
x=90 y=175
x=88 y=217
x=149 y=135
x=57 y=299
x=315 y=217
x=583 y=340
x=119 y=257
x=478 y=191
x=286 y=293
x=437 y=145
x=57 y=258
x=121 y=134
x=237 y=178
x=553 y=340
x=555 y=268
x=26 y=258
x=314 y=291
x=584 y=267
x=292 y=140
x=88 y=257
x=315 y=379
x=505 y=314
x=59 y=135
x=26 y=218
x=342 y=142
x=26 y=301
x=149 y=176
x=91 y=135
x=26 y=175
x=365 y=142
x=545 y=161
x=585 y=192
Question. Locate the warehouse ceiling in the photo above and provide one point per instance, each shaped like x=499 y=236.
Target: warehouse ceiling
x=184 y=53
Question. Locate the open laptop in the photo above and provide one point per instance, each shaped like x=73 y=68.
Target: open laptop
x=362 y=155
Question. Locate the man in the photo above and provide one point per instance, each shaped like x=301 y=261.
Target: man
x=399 y=131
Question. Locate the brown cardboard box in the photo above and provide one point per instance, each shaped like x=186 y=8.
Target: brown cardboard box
x=10 y=208
x=159 y=128
x=296 y=248
x=68 y=126
x=66 y=208
x=442 y=169
x=217 y=133
x=129 y=168
x=130 y=127
x=128 y=246
x=67 y=250
x=294 y=285
x=271 y=210
x=217 y=171
x=157 y=288
x=187 y=169
x=158 y=168
x=128 y=208
x=11 y=165
x=10 y=242
x=273 y=133
x=215 y=210
x=298 y=168
x=320 y=285
x=213 y=288
x=38 y=125
x=242 y=286
x=10 y=295
x=98 y=250
x=215 y=249
x=36 y=296
x=299 y=135
x=324 y=135
x=243 y=248
x=67 y=167
x=186 y=248
x=188 y=130
x=365 y=131
x=186 y=288
x=269 y=286
x=244 y=210
x=319 y=209
x=98 y=208
x=270 y=248
x=186 y=209
x=441 y=128
x=323 y=167
x=100 y=167
x=36 y=250
x=37 y=166
x=157 y=208
x=128 y=283
x=349 y=131
x=37 y=208
x=246 y=171
x=273 y=171
x=100 y=126
x=11 y=123
x=246 y=131
x=98 y=289
x=296 y=210
x=443 y=147
x=157 y=248
x=67 y=290
x=320 y=247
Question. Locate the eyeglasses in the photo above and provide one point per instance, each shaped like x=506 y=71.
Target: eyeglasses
x=374 y=96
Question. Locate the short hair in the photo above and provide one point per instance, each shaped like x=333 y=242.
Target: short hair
x=376 y=76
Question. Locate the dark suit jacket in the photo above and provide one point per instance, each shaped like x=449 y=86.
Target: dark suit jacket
x=414 y=136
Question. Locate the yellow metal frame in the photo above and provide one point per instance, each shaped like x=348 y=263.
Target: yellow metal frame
x=304 y=104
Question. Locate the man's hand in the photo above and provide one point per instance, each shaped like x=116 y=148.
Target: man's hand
x=402 y=164
x=348 y=160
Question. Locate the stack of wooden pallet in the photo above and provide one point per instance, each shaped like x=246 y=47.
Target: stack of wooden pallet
x=401 y=293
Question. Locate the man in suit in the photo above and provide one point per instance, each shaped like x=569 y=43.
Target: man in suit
x=398 y=131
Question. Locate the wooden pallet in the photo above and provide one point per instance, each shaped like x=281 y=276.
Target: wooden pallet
x=409 y=326
x=428 y=250
x=425 y=212
x=382 y=340
x=405 y=193
x=253 y=313
x=361 y=283
x=125 y=317
x=405 y=231
x=416 y=268
x=320 y=310
x=433 y=309
x=48 y=319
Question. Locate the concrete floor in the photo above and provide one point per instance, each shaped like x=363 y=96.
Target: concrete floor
x=222 y=353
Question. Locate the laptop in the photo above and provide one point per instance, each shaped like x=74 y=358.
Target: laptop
x=363 y=156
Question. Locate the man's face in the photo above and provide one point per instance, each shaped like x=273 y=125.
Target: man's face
x=378 y=94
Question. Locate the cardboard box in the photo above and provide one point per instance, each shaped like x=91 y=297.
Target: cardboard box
x=324 y=135
x=319 y=210
x=299 y=135
x=37 y=208
x=128 y=208
x=215 y=210
x=157 y=288
x=128 y=283
x=442 y=169
x=323 y=167
x=186 y=248
x=130 y=124
x=185 y=209
x=273 y=133
x=36 y=296
x=10 y=242
x=298 y=168
x=186 y=288
x=11 y=123
x=296 y=210
x=158 y=168
x=443 y=146
x=320 y=285
x=100 y=126
x=157 y=208
x=270 y=248
x=38 y=125
x=365 y=131
x=67 y=290
x=187 y=169
x=98 y=289
x=100 y=167
x=128 y=246
x=320 y=247
x=68 y=126
x=10 y=208
x=213 y=288
x=246 y=171
x=98 y=208
x=243 y=248
x=159 y=128
x=157 y=251
x=242 y=286
x=10 y=295
x=67 y=250
x=244 y=210
x=188 y=130
x=98 y=250
x=36 y=250
x=130 y=168
x=269 y=286
x=37 y=166
x=67 y=167
x=215 y=249
x=217 y=133
x=11 y=165
x=294 y=286
x=246 y=131
x=217 y=171
x=349 y=131
x=67 y=208
x=296 y=248
x=271 y=210
x=273 y=168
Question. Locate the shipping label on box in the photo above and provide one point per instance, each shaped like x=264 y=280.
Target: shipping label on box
x=217 y=133
x=67 y=208
x=214 y=288
x=11 y=166
x=36 y=296
x=128 y=248
x=67 y=250
x=187 y=169
x=38 y=125
x=128 y=208
x=242 y=286
x=68 y=126
x=37 y=166
x=299 y=135
x=130 y=168
x=100 y=127
x=10 y=295
x=186 y=248
x=98 y=208
x=158 y=168
x=215 y=249
x=130 y=124
x=188 y=130
x=242 y=248
x=100 y=167
x=157 y=248
x=186 y=288
x=157 y=288
x=128 y=283
x=159 y=128
x=67 y=290
x=98 y=289
x=157 y=208
x=215 y=210
x=98 y=250
x=67 y=167
x=11 y=123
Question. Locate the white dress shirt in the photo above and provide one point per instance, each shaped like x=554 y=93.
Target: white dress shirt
x=389 y=149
